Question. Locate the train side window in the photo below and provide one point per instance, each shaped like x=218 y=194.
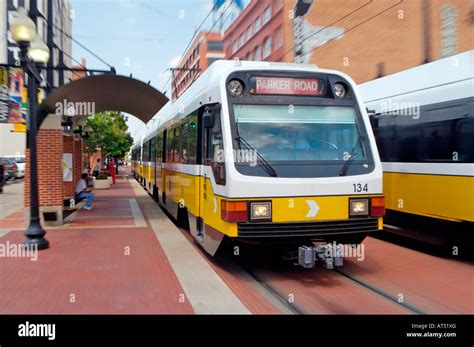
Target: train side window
x=146 y=151
x=153 y=149
x=169 y=146
x=176 y=141
x=465 y=140
x=184 y=149
x=408 y=144
x=438 y=144
x=159 y=148
x=193 y=138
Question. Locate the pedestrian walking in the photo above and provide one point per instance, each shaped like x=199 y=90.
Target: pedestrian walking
x=111 y=167
x=97 y=169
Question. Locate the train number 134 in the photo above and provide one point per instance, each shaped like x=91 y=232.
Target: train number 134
x=360 y=187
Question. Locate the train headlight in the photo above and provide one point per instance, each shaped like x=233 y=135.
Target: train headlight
x=339 y=90
x=261 y=210
x=359 y=207
x=235 y=87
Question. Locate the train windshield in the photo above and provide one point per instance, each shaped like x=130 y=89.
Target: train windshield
x=281 y=133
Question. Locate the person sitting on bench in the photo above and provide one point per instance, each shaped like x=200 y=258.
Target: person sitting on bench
x=85 y=192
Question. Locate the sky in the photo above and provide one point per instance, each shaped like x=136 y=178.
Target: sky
x=140 y=37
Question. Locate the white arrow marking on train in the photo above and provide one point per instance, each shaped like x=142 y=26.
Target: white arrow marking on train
x=215 y=205
x=313 y=208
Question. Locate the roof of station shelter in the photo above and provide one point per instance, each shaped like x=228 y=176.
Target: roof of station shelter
x=110 y=93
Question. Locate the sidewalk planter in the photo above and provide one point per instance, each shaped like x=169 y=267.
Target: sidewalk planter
x=101 y=184
x=109 y=178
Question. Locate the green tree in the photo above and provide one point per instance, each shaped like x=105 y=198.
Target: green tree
x=109 y=133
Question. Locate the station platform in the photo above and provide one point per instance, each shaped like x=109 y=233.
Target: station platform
x=124 y=256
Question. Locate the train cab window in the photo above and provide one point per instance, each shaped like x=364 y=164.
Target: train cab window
x=214 y=141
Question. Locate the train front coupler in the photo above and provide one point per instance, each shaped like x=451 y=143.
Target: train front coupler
x=330 y=254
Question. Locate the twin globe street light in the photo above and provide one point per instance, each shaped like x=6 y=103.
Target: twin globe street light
x=32 y=50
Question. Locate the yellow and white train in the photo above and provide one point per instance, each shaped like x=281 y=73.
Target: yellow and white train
x=261 y=152
x=423 y=120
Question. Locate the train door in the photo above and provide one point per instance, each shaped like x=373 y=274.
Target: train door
x=212 y=169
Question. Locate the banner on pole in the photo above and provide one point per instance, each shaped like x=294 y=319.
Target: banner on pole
x=13 y=96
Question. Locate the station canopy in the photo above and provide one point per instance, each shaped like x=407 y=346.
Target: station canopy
x=108 y=93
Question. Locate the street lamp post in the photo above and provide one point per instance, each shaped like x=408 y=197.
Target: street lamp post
x=32 y=50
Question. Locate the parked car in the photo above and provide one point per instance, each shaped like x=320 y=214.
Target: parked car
x=3 y=175
x=20 y=162
x=11 y=168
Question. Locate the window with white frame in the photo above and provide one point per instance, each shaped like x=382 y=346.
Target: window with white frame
x=267 y=47
x=249 y=32
x=258 y=24
x=278 y=5
x=235 y=46
x=242 y=40
x=278 y=38
x=258 y=55
x=267 y=14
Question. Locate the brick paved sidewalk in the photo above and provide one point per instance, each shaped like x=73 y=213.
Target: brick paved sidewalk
x=107 y=260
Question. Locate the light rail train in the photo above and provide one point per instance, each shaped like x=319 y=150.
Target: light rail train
x=267 y=153
x=423 y=120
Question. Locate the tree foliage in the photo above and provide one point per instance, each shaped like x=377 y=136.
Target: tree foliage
x=109 y=133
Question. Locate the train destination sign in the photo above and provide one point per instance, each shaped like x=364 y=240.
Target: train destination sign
x=287 y=86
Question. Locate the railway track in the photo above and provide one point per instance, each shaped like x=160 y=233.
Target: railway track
x=380 y=292
x=277 y=294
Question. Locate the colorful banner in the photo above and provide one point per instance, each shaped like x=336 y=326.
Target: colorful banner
x=4 y=95
x=15 y=103
x=13 y=96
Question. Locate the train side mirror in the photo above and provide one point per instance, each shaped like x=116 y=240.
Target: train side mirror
x=208 y=119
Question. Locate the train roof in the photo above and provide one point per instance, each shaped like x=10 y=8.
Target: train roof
x=416 y=82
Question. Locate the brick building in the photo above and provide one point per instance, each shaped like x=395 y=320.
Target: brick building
x=261 y=32
x=206 y=48
x=361 y=38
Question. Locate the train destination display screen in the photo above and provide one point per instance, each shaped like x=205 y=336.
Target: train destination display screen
x=287 y=86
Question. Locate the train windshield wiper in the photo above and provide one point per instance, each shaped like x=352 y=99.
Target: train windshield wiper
x=261 y=160
x=352 y=154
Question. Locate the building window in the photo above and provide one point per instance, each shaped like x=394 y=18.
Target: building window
x=267 y=47
x=242 y=40
x=258 y=55
x=249 y=32
x=258 y=24
x=235 y=46
x=278 y=5
x=215 y=45
x=448 y=30
x=278 y=38
x=267 y=14
x=249 y=56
